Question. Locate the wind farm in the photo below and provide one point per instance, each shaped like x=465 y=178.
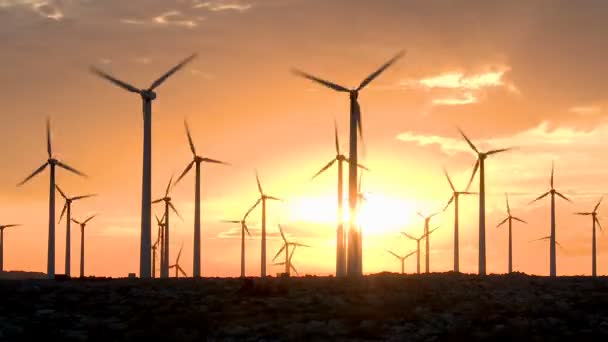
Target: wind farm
x=452 y=111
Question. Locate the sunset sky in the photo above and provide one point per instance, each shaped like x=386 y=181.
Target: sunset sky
x=524 y=74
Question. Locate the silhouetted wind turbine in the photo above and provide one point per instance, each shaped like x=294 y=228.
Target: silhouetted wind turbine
x=480 y=164
x=552 y=192
x=402 y=259
x=51 y=162
x=418 y=246
x=455 y=197
x=83 y=225
x=594 y=221
x=177 y=267
x=244 y=229
x=262 y=199
x=164 y=272
x=510 y=219
x=288 y=262
x=147 y=95
x=354 y=262
x=285 y=248
x=341 y=238
x=196 y=161
x=155 y=246
x=427 y=220
x=2 y=227
x=67 y=208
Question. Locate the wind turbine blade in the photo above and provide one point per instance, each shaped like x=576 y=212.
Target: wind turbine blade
x=359 y=123
x=171 y=72
x=192 y=148
x=83 y=197
x=169 y=186
x=520 y=220
x=10 y=225
x=273 y=198
x=542 y=238
x=179 y=254
x=408 y=236
x=410 y=254
x=252 y=207
x=320 y=81
x=562 y=196
x=552 y=172
x=584 y=214
x=282 y=234
x=49 y=149
x=188 y=167
x=598 y=204
x=293 y=268
x=65 y=207
x=69 y=168
x=420 y=214
x=507 y=201
x=434 y=229
x=89 y=219
x=380 y=70
x=257 y=178
x=61 y=192
x=394 y=254
x=279 y=252
x=114 y=80
x=298 y=244
x=246 y=228
x=449 y=180
x=468 y=141
x=540 y=197
x=75 y=221
x=40 y=169
x=598 y=223
x=473 y=174
x=324 y=168
x=158 y=200
x=503 y=222
x=449 y=202
x=231 y=221
x=181 y=270
x=215 y=161
x=175 y=211
x=489 y=153
x=336 y=137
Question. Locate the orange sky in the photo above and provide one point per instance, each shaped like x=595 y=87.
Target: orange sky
x=528 y=74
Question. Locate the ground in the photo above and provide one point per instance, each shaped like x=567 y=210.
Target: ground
x=378 y=307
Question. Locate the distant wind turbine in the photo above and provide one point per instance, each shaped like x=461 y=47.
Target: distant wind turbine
x=341 y=238
x=427 y=220
x=354 y=262
x=147 y=95
x=418 y=246
x=262 y=199
x=285 y=248
x=83 y=225
x=244 y=229
x=455 y=197
x=51 y=162
x=402 y=259
x=480 y=164
x=594 y=221
x=67 y=209
x=196 y=161
x=157 y=244
x=288 y=262
x=510 y=219
x=176 y=266
x=552 y=192
x=2 y=227
x=164 y=272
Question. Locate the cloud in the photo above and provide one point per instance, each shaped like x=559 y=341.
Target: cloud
x=585 y=110
x=132 y=21
x=218 y=6
x=466 y=98
x=45 y=8
x=176 y=18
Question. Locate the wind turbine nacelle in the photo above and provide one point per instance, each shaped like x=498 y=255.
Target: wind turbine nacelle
x=148 y=95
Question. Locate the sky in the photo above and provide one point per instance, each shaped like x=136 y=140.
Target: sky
x=522 y=74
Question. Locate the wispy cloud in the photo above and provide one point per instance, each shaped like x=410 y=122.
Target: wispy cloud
x=176 y=18
x=586 y=110
x=463 y=99
x=218 y=6
x=131 y=21
x=45 y=8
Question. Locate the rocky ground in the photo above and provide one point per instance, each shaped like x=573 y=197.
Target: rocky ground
x=379 y=307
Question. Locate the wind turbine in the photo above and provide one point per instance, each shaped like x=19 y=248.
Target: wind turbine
x=354 y=262
x=552 y=192
x=2 y=227
x=244 y=229
x=480 y=164
x=402 y=259
x=67 y=208
x=83 y=225
x=288 y=262
x=510 y=219
x=51 y=162
x=418 y=246
x=177 y=267
x=427 y=220
x=196 y=161
x=262 y=199
x=164 y=272
x=285 y=248
x=341 y=238
x=159 y=242
x=147 y=95
x=594 y=221
x=455 y=197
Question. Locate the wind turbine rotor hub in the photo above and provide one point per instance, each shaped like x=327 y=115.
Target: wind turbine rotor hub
x=148 y=95
x=341 y=157
x=167 y=199
x=198 y=159
x=52 y=161
x=483 y=156
x=354 y=94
